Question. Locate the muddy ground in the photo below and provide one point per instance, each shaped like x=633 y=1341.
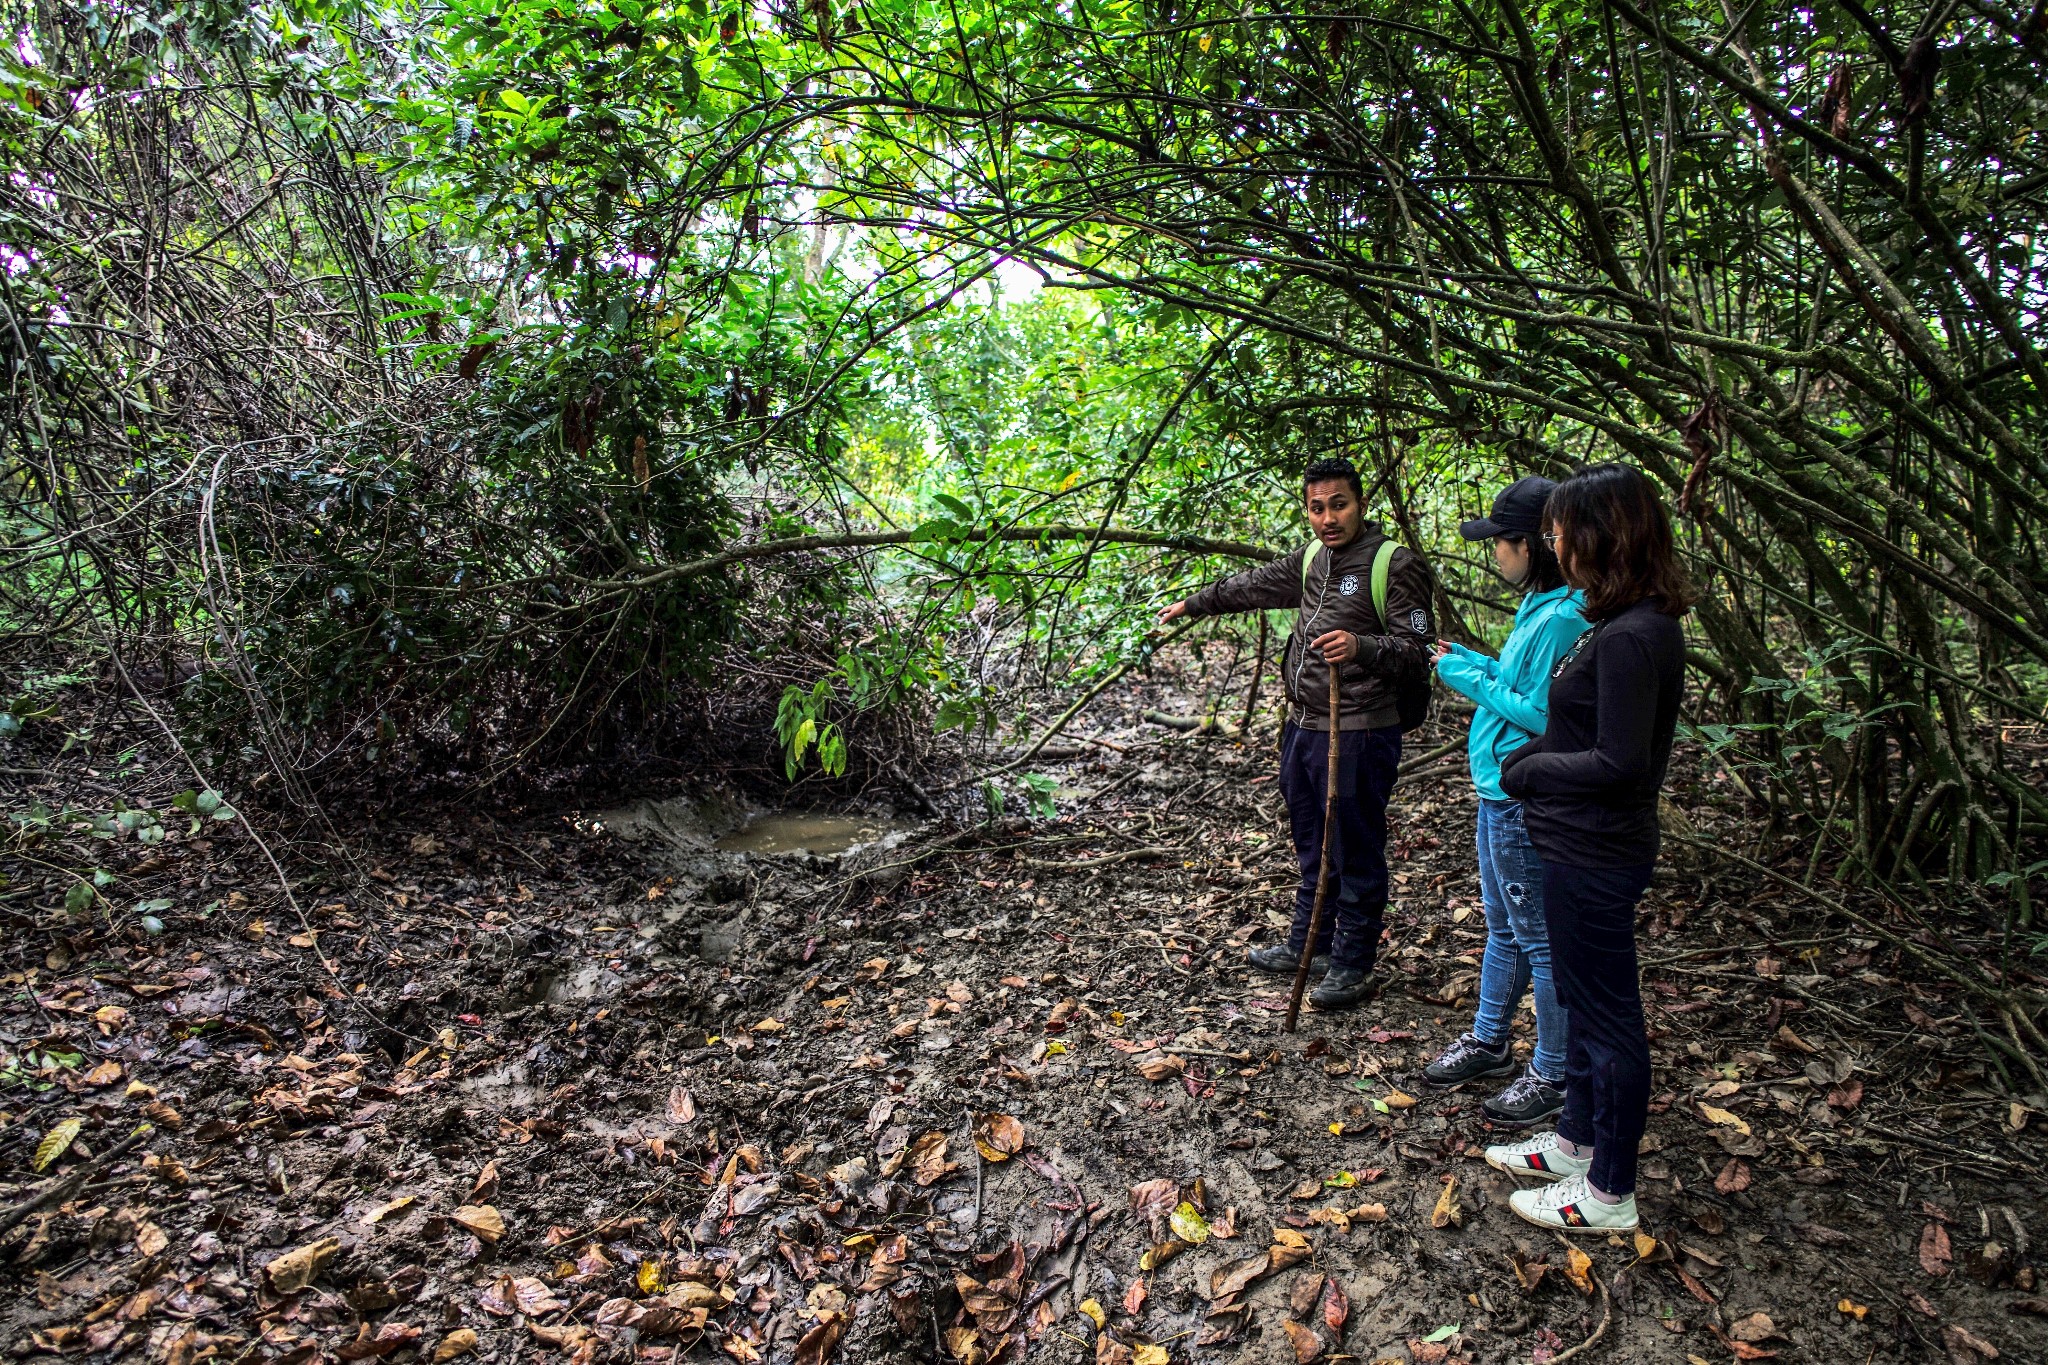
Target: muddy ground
x=582 y=1084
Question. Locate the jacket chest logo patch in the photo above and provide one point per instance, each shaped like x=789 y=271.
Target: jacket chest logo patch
x=1418 y=621
x=1349 y=585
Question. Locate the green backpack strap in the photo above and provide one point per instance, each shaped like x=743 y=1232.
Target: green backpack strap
x=1382 y=564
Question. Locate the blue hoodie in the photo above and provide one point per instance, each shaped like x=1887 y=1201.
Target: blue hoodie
x=1513 y=691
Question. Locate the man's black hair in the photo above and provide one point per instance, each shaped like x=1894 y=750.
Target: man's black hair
x=1331 y=469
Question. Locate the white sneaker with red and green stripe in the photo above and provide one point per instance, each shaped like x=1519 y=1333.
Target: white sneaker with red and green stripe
x=1539 y=1158
x=1569 y=1206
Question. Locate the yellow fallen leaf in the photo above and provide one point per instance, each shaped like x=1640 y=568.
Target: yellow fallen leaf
x=1398 y=1099
x=297 y=1268
x=769 y=1025
x=1578 y=1268
x=383 y=1211
x=1337 y=1130
x=1646 y=1245
x=1055 y=1049
x=1092 y=1311
x=1724 y=1119
x=106 y=1073
x=483 y=1220
x=1854 y=1309
x=1149 y=1353
x=648 y=1277
x=459 y=1342
x=1447 y=1211
x=998 y=1137
x=1188 y=1224
x=57 y=1142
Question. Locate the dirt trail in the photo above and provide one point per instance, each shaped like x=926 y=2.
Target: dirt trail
x=593 y=1087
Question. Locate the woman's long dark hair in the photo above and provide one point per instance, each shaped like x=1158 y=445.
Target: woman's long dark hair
x=1544 y=571
x=1611 y=525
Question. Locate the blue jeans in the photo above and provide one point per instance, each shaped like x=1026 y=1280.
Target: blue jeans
x=1368 y=761
x=1517 y=938
x=1592 y=914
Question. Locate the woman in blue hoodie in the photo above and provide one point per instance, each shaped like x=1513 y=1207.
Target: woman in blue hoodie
x=1512 y=696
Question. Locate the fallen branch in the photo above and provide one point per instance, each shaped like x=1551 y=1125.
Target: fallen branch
x=61 y=1186
x=1092 y=693
x=1084 y=864
x=790 y=545
x=1606 y=1316
x=1200 y=725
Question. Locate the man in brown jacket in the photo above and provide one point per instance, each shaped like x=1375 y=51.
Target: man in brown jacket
x=1337 y=628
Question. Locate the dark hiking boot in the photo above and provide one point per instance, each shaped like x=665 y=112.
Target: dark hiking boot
x=1344 y=988
x=1528 y=1100
x=1468 y=1059
x=1282 y=960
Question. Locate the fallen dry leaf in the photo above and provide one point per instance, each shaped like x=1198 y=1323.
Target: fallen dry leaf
x=383 y=1211
x=1336 y=1308
x=1959 y=1339
x=459 y=1342
x=1149 y=1353
x=1301 y=1300
x=298 y=1267
x=1528 y=1271
x=820 y=1343
x=1367 y=1213
x=1158 y=1066
x=1447 y=1212
x=682 y=1109
x=1724 y=1119
x=1846 y=1096
x=926 y=1158
x=1734 y=1177
x=1092 y=1311
x=482 y=1219
x=1936 y=1258
x=151 y=1240
x=1134 y=1297
x=1307 y=1345
x=1755 y=1327
x=1578 y=1268
x=1858 y=1311
x=998 y=1137
x=1188 y=1225
x=1398 y=1099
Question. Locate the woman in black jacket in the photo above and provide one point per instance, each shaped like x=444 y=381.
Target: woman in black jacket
x=1588 y=787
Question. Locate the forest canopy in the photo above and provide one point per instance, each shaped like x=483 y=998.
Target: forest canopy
x=450 y=388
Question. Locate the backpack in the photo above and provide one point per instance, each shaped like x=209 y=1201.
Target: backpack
x=1411 y=694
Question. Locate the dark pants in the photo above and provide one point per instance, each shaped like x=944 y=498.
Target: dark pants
x=1592 y=916
x=1355 y=908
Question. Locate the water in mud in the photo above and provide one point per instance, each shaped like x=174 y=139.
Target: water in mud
x=804 y=832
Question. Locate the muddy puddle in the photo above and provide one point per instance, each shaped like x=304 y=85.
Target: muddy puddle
x=805 y=832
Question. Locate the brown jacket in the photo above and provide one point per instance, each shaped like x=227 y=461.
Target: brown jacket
x=1339 y=597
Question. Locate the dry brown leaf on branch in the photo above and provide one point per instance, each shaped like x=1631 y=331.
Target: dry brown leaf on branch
x=298 y=1267
x=998 y=1137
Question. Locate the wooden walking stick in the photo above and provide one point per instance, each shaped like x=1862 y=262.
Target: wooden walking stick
x=1315 y=918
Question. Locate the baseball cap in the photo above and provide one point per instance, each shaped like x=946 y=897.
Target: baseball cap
x=1517 y=511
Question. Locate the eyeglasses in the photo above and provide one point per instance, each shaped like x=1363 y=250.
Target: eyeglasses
x=1550 y=539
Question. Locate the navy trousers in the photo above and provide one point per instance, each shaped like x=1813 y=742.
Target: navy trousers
x=1367 y=763
x=1592 y=916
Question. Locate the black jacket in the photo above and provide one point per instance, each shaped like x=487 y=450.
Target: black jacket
x=1588 y=784
x=1339 y=597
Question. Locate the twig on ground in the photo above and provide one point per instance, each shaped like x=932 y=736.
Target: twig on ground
x=1606 y=1316
x=65 y=1184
